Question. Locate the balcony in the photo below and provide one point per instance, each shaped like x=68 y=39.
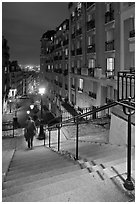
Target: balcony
x=90 y=25
x=91 y=48
x=79 y=32
x=79 y=51
x=72 y=52
x=109 y=16
x=89 y=4
x=132 y=34
x=109 y=45
x=92 y=94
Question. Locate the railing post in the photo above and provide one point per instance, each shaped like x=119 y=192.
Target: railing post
x=13 y=129
x=49 y=137
x=128 y=183
x=58 y=137
x=77 y=123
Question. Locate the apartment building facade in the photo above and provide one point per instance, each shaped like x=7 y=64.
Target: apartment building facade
x=5 y=73
x=80 y=60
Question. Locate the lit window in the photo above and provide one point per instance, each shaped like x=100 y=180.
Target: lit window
x=80 y=87
x=91 y=63
x=66 y=51
x=72 y=64
x=89 y=40
x=110 y=66
x=79 y=5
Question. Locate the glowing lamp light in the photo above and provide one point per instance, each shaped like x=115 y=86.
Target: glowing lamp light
x=28 y=112
x=41 y=91
x=31 y=106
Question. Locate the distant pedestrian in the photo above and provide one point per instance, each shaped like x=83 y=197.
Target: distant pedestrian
x=30 y=131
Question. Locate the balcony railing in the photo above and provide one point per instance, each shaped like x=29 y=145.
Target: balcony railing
x=109 y=16
x=90 y=25
x=110 y=73
x=132 y=34
x=109 y=45
x=79 y=32
x=79 y=51
x=91 y=48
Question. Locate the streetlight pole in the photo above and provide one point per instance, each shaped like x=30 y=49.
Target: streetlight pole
x=41 y=135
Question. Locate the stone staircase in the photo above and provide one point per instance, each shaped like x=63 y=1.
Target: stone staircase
x=43 y=175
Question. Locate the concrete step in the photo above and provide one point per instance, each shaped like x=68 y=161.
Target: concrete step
x=35 y=195
x=88 y=188
x=34 y=164
x=40 y=175
x=13 y=175
x=43 y=182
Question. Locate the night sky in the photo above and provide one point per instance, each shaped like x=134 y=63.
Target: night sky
x=23 y=24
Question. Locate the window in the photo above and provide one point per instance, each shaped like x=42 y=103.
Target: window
x=73 y=30
x=80 y=87
x=108 y=5
x=110 y=67
x=89 y=17
x=72 y=64
x=78 y=63
x=110 y=35
x=91 y=63
x=89 y=40
x=66 y=52
x=78 y=44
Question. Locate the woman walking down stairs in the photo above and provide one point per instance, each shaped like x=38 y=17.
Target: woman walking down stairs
x=43 y=175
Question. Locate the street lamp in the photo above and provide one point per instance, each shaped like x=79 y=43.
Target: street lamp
x=41 y=133
x=28 y=112
x=31 y=107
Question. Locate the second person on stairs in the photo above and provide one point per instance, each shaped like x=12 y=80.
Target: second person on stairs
x=30 y=131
